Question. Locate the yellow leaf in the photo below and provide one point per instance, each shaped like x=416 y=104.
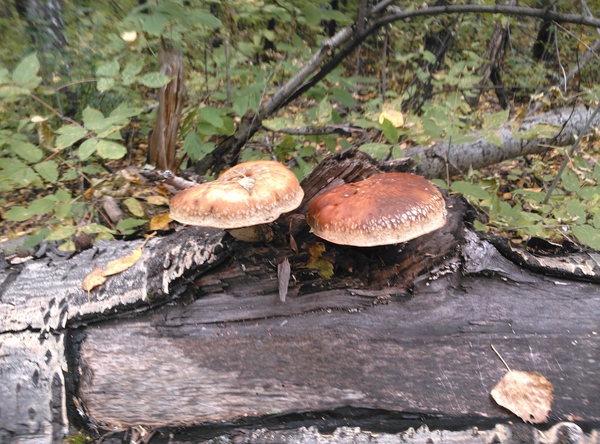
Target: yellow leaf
x=392 y=111
x=94 y=279
x=157 y=200
x=122 y=264
x=528 y=395
x=160 y=222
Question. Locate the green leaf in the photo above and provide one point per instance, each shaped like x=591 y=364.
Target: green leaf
x=62 y=210
x=129 y=223
x=206 y=19
x=41 y=206
x=240 y=104
x=36 y=239
x=597 y=172
x=48 y=170
x=324 y=110
x=131 y=70
x=479 y=226
x=468 y=189
x=134 y=207
x=210 y=115
x=105 y=83
x=25 y=74
x=123 y=112
x=570 y=181
x=154 y=24
x=278 y=123
x=109 y=69
x=587 y=235
x=541 y=130
x=26 y=151
x=576 y=211
x=7 y=91
x=194 y=147
x=495 y=121
x=304 y=168
x=343 y=96
x=492 y=137
x=338 y=16
x=390 y=131
x=93 y=119
x=87 y=148
x=589 y=193
x=110 y=150
x=60 y=233
x=154 y=80
x=313 y=15
x=62 y=195
x=68 y=135
x=19 y=173
x=18 y=214
x=4 y=76
x=376 y=150
x=596 y=220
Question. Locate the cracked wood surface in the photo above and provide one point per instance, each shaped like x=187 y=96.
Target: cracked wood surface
x=232 y=356
x=403 y=330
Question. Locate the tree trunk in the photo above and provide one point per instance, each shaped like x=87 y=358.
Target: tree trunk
x=491 y=69
x=45 y=22
x=171 y=98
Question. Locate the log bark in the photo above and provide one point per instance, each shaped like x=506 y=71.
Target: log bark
x=193 y=340
x=427 y=355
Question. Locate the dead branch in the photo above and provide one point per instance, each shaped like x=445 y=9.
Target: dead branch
x=336 y=49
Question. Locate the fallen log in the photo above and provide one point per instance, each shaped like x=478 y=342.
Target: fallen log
x=193 y=340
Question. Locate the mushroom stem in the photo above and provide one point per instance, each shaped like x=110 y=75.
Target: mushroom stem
x=254 y=233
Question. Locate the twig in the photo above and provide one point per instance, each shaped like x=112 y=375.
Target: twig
x=329 y=129
x=501 y=358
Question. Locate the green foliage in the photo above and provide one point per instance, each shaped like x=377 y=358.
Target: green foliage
x=106 y=83
x=572 y=211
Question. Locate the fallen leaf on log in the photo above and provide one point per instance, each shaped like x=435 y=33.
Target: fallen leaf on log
x=323 y=266
x=283 y=276
x=122 y=264
x=94 y=279
x=160 y=222
x=528 y=395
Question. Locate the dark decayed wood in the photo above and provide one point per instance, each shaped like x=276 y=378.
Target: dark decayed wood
x=195 y=334
x=233 y=355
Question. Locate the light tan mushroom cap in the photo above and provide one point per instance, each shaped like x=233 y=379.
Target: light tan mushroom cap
x=250 y=193
x=385 y=209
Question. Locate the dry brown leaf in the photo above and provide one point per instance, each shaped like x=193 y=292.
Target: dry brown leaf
x=94 y=279
x=528 y=395
x=283 y=276
x=122 y=264
x=160 y=222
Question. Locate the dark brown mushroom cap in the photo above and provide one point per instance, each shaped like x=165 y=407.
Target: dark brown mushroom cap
x=250 y=193
x=385 y=209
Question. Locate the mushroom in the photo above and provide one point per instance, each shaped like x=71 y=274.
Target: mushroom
x=241 y=201
x=385 y=209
